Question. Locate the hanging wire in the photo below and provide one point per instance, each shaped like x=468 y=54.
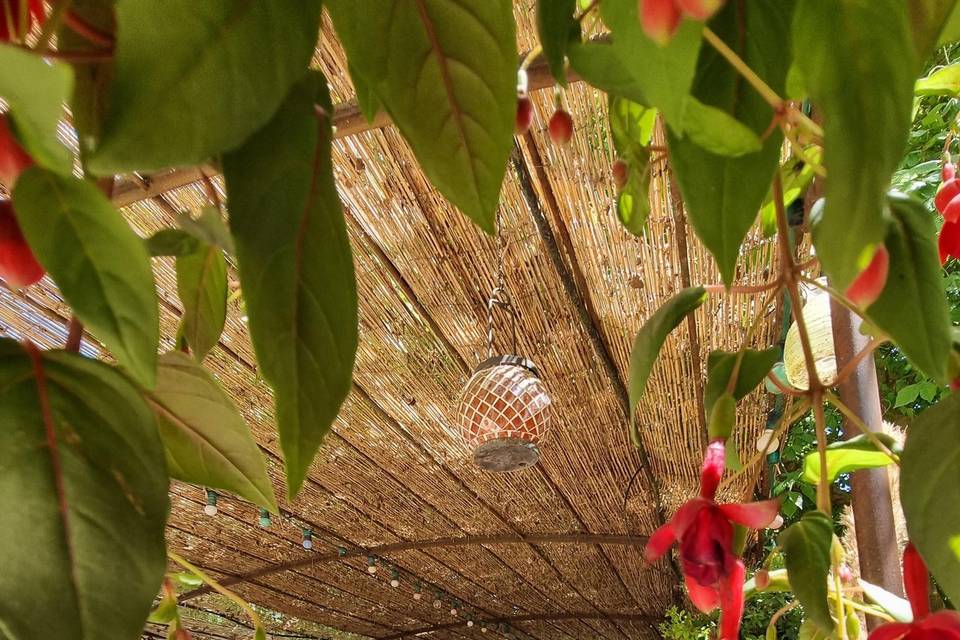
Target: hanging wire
x=500 y=297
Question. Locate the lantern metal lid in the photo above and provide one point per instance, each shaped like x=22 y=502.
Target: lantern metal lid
x=504 y=410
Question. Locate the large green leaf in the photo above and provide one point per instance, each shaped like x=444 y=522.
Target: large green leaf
x=913 y=306
x=945 y=81
x=930 y=490
x=716 y=131
x=193 y=79
x=663 y=75
x=445 y=71
x=296 y=269
x=850 y=455
x=557 y=28
x=208 y=227
x=806 y=549
x=928 y=22
x=97 y=261
x=202 y=287
x=650 y=338
x=723 y=194
x=206 y=440
x=951 y=29
x=600 y=66
x=753 y=369
x=858 y=65
x=83 y=492
x=35 y=93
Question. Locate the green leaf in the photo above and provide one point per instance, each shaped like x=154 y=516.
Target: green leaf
x=850 y=455
x=927 y=21
x=650 y=338
x=557 y=28
x=723 y=417
x=664 y=75
x=858 y=65
x=202 y=287
x=945 y=81
x=913 y=306
x=896 y=606
x=951 y=28
x=778 y=584
x=35 y=92
x=296 y=270
x=83 y=495
x=723 y=194
x=930 y=490
x=796 y=176
x=753 y=369
x=631 y=127
x=194 y=79
x=600 y=66
x=367 y=98
x=907 y=395
x=206 y=440
x=209 y=228
x=717 y=132
x=806 y=549
x=171 y=242
x=97 y=261
x=445 y=72
x=165 y=612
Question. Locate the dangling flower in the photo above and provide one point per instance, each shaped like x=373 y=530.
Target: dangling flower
x=661 y=18
x=943 y=625
x=949 y=241
x=713 y=573
x=869 y=284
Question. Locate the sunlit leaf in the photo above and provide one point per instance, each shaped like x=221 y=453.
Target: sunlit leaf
x=856 y=453
x=806 y=549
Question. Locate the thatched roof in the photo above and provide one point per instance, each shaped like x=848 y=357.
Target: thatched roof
x=394 y=468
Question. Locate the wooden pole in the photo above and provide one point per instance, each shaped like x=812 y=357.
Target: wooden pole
x=872 y=502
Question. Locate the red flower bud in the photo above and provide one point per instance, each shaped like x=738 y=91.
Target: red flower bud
x=949 y=241
x=13 y=159
x=846 y=574
x=620 y=174
x=660 y=19
x=10 y=26
x=524 y=116
x=949 y=190
x=18 y=266
x=948 y=171
x=561 y=127
x=867 y=287
x=699 y=9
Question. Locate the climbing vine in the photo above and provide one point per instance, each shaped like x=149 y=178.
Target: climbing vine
x=759 y=100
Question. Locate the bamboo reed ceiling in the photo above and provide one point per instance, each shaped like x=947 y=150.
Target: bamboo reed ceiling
x=394 y=468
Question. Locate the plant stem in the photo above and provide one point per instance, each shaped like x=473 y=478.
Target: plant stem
x=823 y=483
x=86 y=30
x=52 y=23
x=744 y=289
x=784 y=389
x=858 y=423
x=744 y=69
x=836 y=295
x=216 y=586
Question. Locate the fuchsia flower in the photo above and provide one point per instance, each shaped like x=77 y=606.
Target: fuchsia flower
x=943 y=625
x=713 y=573
x=661 y=18
x=869 y=284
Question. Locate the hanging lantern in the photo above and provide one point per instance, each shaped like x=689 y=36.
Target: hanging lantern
x=816 y=316
x=504 y=409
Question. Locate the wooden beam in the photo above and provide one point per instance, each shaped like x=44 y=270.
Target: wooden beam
x=537 y=617
x=420 y=545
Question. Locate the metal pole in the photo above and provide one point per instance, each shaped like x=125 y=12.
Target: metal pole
x=872 y=503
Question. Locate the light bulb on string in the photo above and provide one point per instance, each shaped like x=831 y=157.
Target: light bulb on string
x=371 y=565
x=307 y=539
x=264 y=518
x=767 y=442
x=483 y=628
x=211 y=507
x=469 y=621
x=416 y=591
x=437 y=602
x=342 y=551
x=453 y=608
x=777 y=522
x=394 y=578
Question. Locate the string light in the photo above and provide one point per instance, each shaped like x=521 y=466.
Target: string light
x=211 y=507
x=264 y=518
x=394 y=578
x=469 y=621
x=416 y=591
x=342 y=551
x=307 y=539
x=437 y=602
x=371 y=565
x=483 y=628
x=454 y=607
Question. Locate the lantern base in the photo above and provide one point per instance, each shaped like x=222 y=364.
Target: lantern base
x=506 y=454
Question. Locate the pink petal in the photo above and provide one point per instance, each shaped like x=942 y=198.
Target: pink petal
x=699 y=9
x=659 y=543
x=916 y=582
x=713 y=462
x=705 y=599
x=755 y=515
x=686 y=514
x=890 y=631
x=660 y=19
x=949 y=190
x=948 y=171
x=731 y=602
x=867 y=287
